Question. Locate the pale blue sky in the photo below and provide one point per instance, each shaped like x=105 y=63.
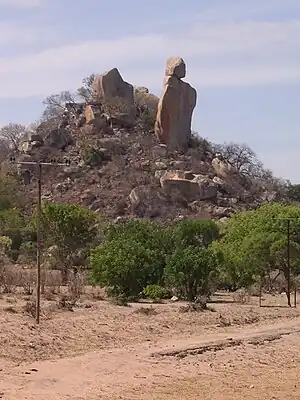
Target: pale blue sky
x=243 y=57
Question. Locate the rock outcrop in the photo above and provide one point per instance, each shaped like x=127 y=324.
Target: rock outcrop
x=124 y=173
x=176 y=106
x=115 y=97
x=142 y=98
x=222 y=168
x=111 y=85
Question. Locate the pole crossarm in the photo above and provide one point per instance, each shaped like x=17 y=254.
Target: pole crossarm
x=52 y=162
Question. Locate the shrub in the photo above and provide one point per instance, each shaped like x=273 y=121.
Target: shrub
x=66 y=302
x=5 y=243
x=241 y=296
x=193 y=307
x=76 y=286
x=125 y=266
x=201 y=144
x=30 y=308
x=120 y=300
x=26 y=279
x=7 y=278
x=11 y=310
x=146 y=120
x=146 y=311
x=94 y=157
x=155 y=292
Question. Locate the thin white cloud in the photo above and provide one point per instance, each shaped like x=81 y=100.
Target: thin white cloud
x=218 y=54
x=21 y=3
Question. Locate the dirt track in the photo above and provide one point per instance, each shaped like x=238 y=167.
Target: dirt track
x=237 y=365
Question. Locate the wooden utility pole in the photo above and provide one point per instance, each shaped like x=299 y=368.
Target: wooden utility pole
x=38 y=245
x=288 y=265
x=38 y=225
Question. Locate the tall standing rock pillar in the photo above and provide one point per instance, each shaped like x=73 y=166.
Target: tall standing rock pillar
x=175 y=107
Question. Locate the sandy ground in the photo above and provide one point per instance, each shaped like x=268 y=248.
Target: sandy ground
x=103 y=351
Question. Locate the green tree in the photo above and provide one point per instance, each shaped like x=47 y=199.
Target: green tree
x=194 y=233
x=192 y=271
x=255 y=243
x=192 y=265
x=132 y=257
x=71 y=228
x=123 y=266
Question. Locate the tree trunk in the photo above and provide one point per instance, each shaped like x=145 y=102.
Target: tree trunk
x=288 y=295
x=286 y=273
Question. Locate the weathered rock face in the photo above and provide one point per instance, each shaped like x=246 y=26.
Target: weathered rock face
x=222 y=168
x=58 y=138
x=146 y=201
x=91 y=113
x=181 y=188
x=175 y=67
x=176 y=106
x=142 y=97
x=208 y=189
x=189 y=186
x=159 y=151
x=110 y=85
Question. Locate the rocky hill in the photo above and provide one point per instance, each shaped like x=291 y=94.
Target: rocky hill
x=133 y=155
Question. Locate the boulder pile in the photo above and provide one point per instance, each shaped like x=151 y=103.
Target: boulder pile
x=124 y=168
